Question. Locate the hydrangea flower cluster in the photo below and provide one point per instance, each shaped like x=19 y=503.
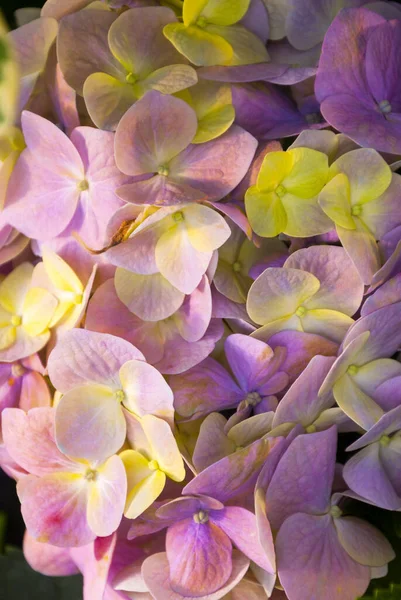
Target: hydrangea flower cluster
x=200 y=293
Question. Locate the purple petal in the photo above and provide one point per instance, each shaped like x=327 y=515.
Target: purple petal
x=193 y=551
x=303 y=478
x=312 y=563
x=240 y=526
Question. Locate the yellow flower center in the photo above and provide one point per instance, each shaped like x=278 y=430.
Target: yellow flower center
x=281 y=191
x=301 y=311
x=91 y=475
x=336 y=512
x=352 y=370
x=237 y=267
x=163 y=171
x=178 y=216
x=356 y=210
x=119 y=395
x=201 y=22
x=83 y=185
x=16 y=320
x=201 y=517
x=153 y=465
x=385 y=440
x=131 y=78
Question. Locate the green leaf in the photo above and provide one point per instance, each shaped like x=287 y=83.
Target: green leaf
x=19 y=581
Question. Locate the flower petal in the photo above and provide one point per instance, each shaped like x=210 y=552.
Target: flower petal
x=90 y=424
x=106 y=498
x=86 y=356
x=152 y=132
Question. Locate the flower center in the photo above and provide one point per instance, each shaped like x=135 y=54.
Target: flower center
x=119 y=395
x=385 y=440
x=301 y=311
x=131 y=78
x=153 y=465
x=91 y=475
x=336 y=512
x=163 y=171
x=201 y=517
x=83 y=185
x=16 y=320
x=237 y=267
x=356 y=210
x=281 y=191
x=253 y=398
x=178 y=216
x=201 y=22
x=385 y=107
x=352 y=370
x=17 y=370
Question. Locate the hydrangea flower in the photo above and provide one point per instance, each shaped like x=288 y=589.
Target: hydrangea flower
x=317 y=291
x=357 y=87
x=66 y=179
x=319 y=550
x=200 y=532
x=26 y=313
x=129 y=56
x=65 y=501
x=378 y=455
x=209 y=34
x=363 y=365
x=114 y=375
x=209 y=387
x=284 y=198
x=362 y=199
x=153 y=143
x=178 y=242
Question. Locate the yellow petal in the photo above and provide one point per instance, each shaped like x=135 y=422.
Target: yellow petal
x=8 y=336
x=164 y=448
x=224 y=12
x=334 y=199
x=310 y=172
x=191 y=10
x=275 y=167
x=144 y=484
x=37 y=312
x=14 y=288
x=265 y=212
x=200 y=47
x=213 y=106
x=60 y=273
x=9 y=81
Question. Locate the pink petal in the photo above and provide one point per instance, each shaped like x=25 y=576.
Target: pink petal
x=48 y=560
x=29 y=439
x=152 y=132
x=54 y=509
x=218 y=166
x=85 y=356
x=155 y=571
x=193 y=551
